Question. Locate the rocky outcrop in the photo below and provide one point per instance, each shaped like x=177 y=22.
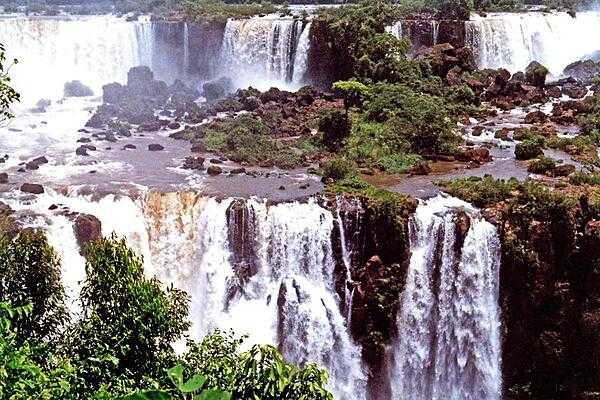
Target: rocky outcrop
x=584 y=71
x=550 y=298
x=87 y=229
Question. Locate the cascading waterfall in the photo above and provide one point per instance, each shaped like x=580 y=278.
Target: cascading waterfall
x=448 y=341
x=262 y=270
x=513 y=40
x=52 y=51
x=263 y=51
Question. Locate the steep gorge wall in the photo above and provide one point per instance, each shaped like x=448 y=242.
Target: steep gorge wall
x=550 y=298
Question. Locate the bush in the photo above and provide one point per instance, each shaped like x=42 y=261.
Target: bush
x=338 y=168
x=541 y=165
x=527 y=150
x=481 y=192
x=400 y=163
x=335 y=126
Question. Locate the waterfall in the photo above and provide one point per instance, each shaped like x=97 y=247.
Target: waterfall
x=435 y=27
x=262 y=51
x=263 y=270
x=51 y=51
x=300 y=65
x=186 y=47
x=395 y=29
x=513 y=40
x=448 y=341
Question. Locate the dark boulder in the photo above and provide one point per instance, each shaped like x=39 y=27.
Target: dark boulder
x=113 y=93
x=82 y=151
x=536 y=73
x=527 y=150
x=214 y=170
x=196 y=163
x=140 y=80
x=155 y=147
x=217 y=88
x=87 y=228
x=3 y=177
x=584 y=71
x=77 y=89
x=36 y=163
x=32 y=188
x=535 y=117
x=574 y=90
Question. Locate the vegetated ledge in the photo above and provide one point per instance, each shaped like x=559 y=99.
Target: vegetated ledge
x=549 y=281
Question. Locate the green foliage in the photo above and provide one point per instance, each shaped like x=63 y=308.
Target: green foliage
x=30 y=275
x=541 y=165
x=335 y=126
x=481 y=192
x=219 y=10
x=337 y=168
x=353 y=92
x=362 y=47
x=259 y=372
x=128 y=322
x=400 y=163
x=7 y=94
x=245 y=138
x=120 y=347
x=419 y=120
x=21 y=377
x=580 y=178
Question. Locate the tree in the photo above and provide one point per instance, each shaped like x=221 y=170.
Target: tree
x=21 y=377
x=129 y=322
x=7 y=94
x=30 y=275
x=353 y=92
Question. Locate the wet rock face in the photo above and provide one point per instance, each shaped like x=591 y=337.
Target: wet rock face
x=584 y=71
x=550 y=300
x=240 y=221
x=87 y=228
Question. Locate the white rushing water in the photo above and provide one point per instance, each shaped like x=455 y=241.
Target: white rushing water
x=266 y=51
x=513 y=40
x=448 y=342
x=51 y=51
x=287 y=298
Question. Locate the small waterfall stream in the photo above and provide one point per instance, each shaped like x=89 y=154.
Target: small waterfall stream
x=448 y=342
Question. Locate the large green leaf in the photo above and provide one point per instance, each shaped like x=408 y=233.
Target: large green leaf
x=147 y=395
x=176 y=375
x=212 y=394
x=194 y=384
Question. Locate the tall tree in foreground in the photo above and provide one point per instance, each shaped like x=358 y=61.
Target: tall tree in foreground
x=8 y=95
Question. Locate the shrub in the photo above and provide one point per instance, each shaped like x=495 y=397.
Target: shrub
x=582 y=178
x=353 y=92
x=527 y=150
x=338 y=168
x=400 y=163
x=335 y=126
x=481 y=192
x=541 y=165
